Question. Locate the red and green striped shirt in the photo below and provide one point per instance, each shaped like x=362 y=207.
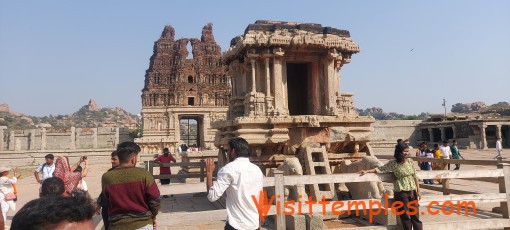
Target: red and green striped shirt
x=132 y=196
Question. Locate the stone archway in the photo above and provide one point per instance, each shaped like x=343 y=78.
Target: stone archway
x=190 y=128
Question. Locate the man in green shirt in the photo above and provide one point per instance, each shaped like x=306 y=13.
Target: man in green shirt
x=456 y=153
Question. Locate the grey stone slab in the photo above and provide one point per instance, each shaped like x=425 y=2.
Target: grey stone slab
x=295 y=222
x=315 y=222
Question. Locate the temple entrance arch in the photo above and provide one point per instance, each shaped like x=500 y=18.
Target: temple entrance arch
x=191 y=130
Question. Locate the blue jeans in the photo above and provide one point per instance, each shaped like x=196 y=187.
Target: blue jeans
x=425 y=166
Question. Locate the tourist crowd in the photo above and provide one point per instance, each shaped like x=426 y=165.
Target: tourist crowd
x=444 y=151
x=130 y=198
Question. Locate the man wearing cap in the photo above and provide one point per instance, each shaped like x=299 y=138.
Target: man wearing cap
x=46 y=169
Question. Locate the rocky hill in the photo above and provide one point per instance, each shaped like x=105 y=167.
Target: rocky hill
x=501 y=108
x=87 y=116
x=379 y=114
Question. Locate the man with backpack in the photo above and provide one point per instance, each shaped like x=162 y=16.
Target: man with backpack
x=46 y=169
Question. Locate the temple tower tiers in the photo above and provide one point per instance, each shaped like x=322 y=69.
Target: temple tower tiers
x=182 y=96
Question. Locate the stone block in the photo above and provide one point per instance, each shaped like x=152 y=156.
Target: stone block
x=381 y=218
x=295 y=222
x=315 y=222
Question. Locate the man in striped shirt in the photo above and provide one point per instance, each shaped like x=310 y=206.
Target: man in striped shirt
x=131 y=192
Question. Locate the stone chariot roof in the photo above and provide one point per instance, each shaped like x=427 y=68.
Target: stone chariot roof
x=265 y=33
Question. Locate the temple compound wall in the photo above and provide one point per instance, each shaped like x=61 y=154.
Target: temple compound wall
x=387 y=132
x=62 y=139
x=182 y=96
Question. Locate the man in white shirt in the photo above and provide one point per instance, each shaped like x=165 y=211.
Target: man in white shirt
x=46 y=169
x=446 y=152
x=242 y=180
x=499 y=149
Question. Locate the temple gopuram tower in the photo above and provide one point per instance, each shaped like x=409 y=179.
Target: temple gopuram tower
x=286 y=98
x=182 y=96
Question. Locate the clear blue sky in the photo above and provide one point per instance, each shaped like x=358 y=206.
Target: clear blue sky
x=56 y=55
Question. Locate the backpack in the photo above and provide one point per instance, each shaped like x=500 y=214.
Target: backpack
x=44 y=165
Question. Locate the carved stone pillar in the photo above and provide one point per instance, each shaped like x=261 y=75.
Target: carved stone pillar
x=117 y=137
x=338 y=66
x=253 y=85
x=498 y=131
x=330 y=86
x=280 y=83
x=43 y=139
x=177 y=129
x=233 y=83
x=269 y=101
x=483 y=136
x=268 y=78
x=94 y=138
x=72 y=142
x=454 y=132
x=443 y=133
x=431 y=134
x=2 y=137
x=206 y=125
x=31 y=138
x=12 y=140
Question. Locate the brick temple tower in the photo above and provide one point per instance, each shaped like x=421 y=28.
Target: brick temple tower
x=182 y=96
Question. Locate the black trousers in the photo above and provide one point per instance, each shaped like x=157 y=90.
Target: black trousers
x=409 y=222
x=165 y=181
x=228 y=226
x=104 y=214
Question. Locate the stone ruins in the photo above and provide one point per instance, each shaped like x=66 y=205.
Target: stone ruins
x=182 y=96
x=475 y=131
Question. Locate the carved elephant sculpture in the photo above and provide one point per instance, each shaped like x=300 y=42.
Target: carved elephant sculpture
x=361 y=190
x=291 y=166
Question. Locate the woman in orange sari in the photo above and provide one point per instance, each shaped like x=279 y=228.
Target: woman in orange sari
x=65 y=172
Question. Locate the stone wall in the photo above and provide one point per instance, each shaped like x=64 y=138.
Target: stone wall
x=58 y=141
x=387 y=132
x=73 y=138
